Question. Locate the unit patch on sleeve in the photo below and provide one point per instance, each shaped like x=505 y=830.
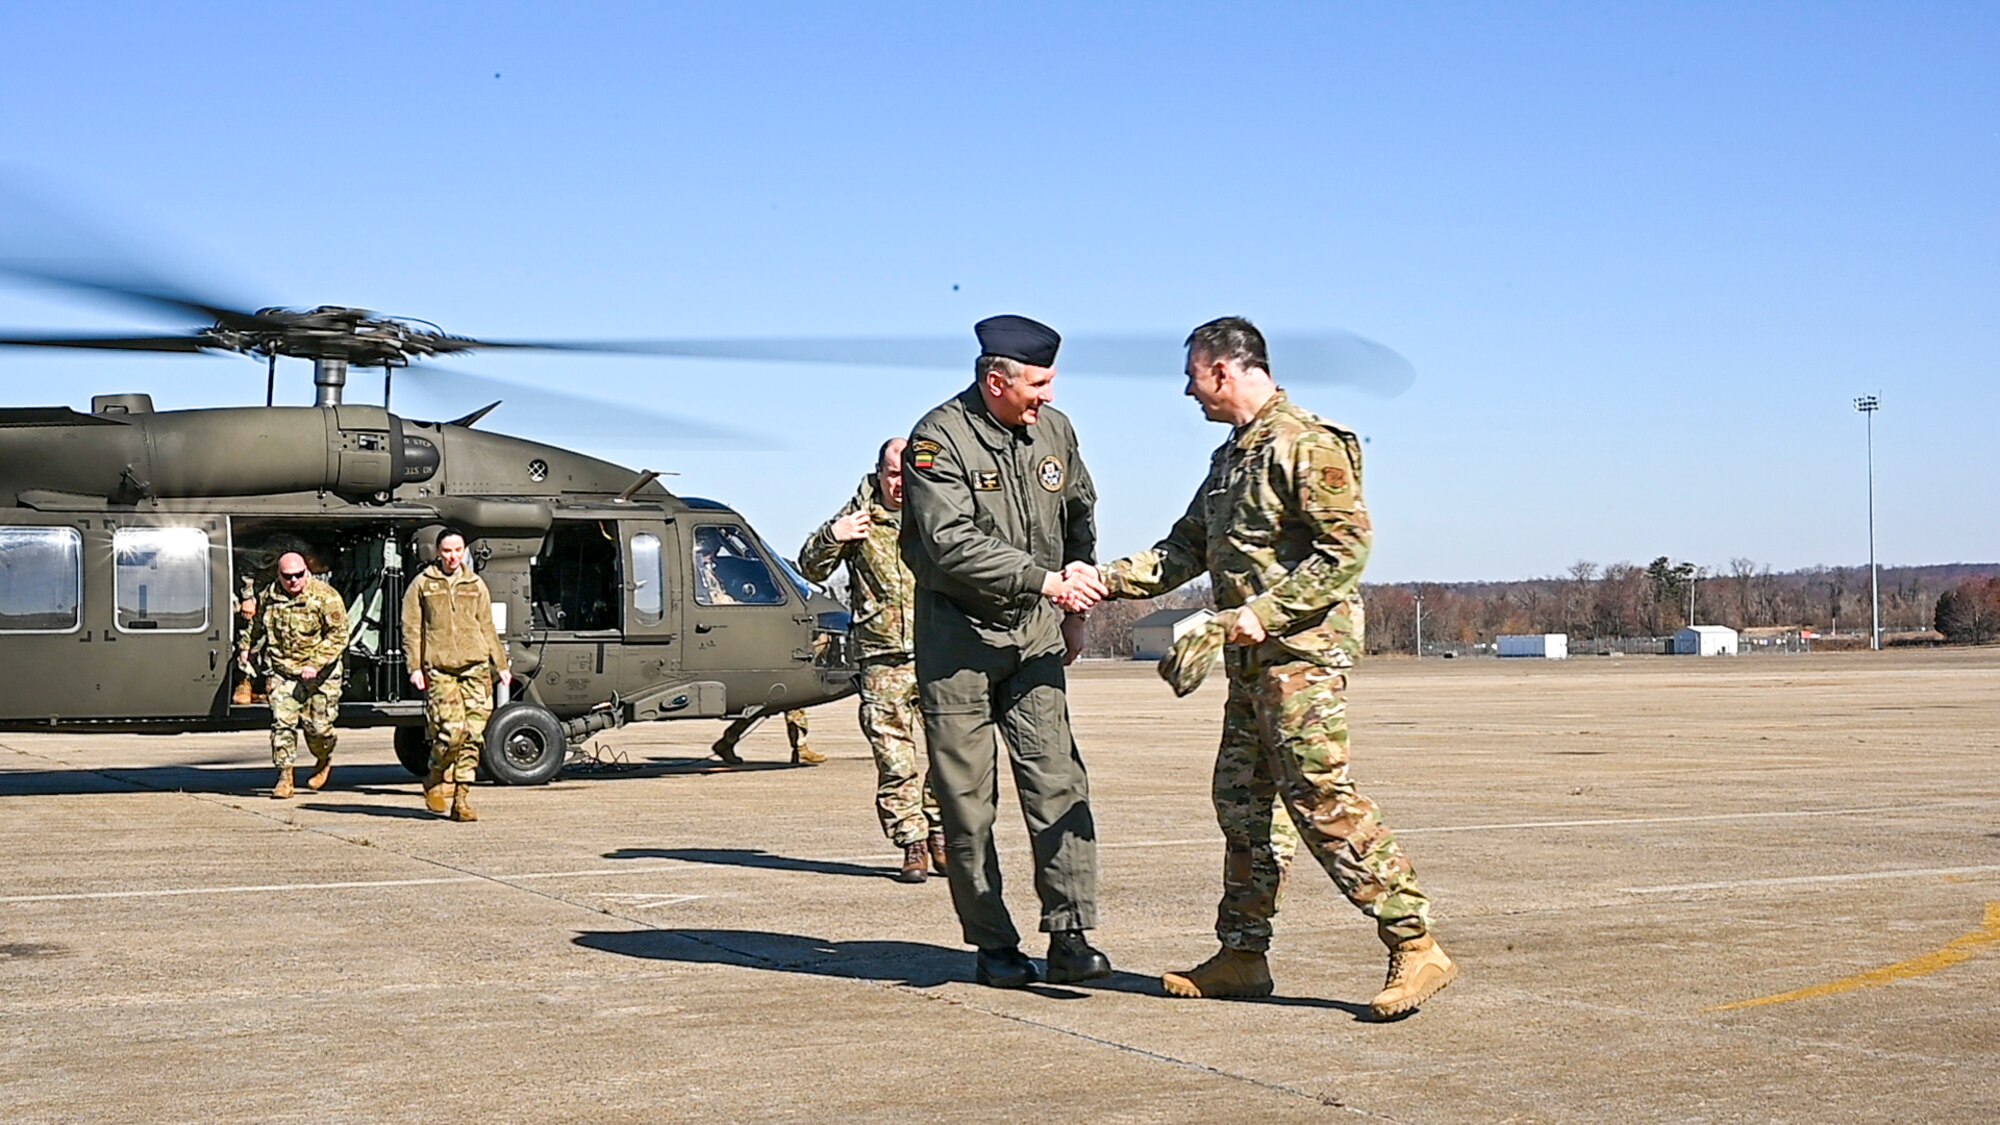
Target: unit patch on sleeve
x=923 y=454
x=1050 y=473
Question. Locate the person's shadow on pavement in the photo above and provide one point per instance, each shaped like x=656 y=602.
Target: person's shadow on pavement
x=754 y=857
x=898 y=962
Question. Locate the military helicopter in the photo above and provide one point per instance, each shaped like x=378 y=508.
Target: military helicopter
x=128 y=536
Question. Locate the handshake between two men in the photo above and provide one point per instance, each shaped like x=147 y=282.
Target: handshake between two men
x=1079 y=586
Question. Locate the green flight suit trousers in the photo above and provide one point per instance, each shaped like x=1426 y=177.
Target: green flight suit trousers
x=969 y=689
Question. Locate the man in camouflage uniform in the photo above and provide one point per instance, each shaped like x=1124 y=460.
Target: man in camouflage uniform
x=244 y=694
x=999 y=505
x=301 y=628
x=1280 y=527
x=881 y=590
x=797 y=727
x=454 y=655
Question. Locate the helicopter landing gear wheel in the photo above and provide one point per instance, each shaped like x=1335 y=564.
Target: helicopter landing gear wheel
x=524 y=745
x=413 y=748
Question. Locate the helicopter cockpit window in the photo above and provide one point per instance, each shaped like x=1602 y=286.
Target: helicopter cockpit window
x=161 y=579
x=729 y=570
x=649 y=579
x=41 y=580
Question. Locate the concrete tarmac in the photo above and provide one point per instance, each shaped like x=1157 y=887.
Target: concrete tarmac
x=1752 y=889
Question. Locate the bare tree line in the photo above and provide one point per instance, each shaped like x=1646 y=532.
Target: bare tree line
x=1628 y=600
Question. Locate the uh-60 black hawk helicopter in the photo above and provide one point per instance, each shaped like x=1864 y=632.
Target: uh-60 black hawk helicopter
x=127 y=536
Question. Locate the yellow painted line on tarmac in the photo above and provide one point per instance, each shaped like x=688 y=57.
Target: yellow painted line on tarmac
x=1955 y=951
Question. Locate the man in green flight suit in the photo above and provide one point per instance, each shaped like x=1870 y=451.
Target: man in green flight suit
x=301 y=628
x=997 y=505
x=866 y=534
x=1280 y=528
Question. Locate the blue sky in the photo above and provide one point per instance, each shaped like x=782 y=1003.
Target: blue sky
x=1641 y=256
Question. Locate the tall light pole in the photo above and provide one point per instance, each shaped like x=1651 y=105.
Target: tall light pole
x=1419 y=595
x=1868 y=405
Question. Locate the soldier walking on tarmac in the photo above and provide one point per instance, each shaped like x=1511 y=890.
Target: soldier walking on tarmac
x=1280 y=528
x=882 y=592
x=454 y=654
x=301 y=628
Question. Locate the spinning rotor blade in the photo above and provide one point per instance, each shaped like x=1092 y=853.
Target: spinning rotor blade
x=186 y=344
x=618 y=425
x=1340 y=358
x=41 y=242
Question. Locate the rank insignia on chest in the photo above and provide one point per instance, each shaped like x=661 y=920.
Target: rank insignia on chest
x=1050 y=473
x=986 y=482
x=923 y=454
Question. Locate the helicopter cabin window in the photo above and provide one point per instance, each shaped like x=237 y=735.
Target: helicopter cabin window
x=41 y=580
x=576 y=585
x=649 y=579
x=729 y=570
x=161 y=579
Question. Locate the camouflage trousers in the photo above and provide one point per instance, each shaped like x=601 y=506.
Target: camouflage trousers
x=797 y=729
x=456 y=707
x=302 y=708
x=891 y=717
x=1284 y=737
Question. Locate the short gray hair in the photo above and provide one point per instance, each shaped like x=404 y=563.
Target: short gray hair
x=1230 y=337
x=987 y=364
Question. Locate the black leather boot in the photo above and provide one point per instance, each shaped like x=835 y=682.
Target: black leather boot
x=1005 y=968
x=1071 y=959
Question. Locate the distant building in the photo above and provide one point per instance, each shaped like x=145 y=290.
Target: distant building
x=1705 y=640
x=1154 y=634
x=1546 y=646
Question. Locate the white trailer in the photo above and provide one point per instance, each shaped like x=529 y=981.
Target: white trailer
x=1154 y=634
x=1705 y=640
x=1546 y=646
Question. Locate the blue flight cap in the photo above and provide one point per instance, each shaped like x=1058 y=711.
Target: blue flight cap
x=1018 y=338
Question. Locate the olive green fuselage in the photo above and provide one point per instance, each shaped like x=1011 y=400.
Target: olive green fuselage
x=127 y=535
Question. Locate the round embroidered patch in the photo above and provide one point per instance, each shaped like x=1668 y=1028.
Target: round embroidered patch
x=1050 y=473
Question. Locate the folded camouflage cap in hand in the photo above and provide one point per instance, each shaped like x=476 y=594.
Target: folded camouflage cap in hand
x=1189 y=662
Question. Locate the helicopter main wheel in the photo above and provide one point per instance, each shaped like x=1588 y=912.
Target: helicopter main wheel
x=524 y=745
x=413 y=748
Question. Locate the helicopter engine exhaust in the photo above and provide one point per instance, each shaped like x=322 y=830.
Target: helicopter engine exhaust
x=349 y=451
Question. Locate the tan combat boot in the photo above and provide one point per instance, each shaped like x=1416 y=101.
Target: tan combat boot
x=283 y=789
x=1231 y=973
x=461 y=805
x=939 y=861
x=807 y=756
x=1418 y=968
x=434 y=793
x=318 y=780
x=241 y=696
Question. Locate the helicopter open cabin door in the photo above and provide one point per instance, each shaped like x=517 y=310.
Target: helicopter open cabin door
x=113 y=616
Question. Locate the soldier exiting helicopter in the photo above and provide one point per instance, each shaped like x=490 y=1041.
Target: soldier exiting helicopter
x=454 y=654
x=301 y=629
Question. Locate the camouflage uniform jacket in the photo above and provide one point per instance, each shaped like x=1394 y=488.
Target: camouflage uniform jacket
x=880 y=589
x=991 y=510
x=448 y=622
x=299 y=632
x=1279 y=525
